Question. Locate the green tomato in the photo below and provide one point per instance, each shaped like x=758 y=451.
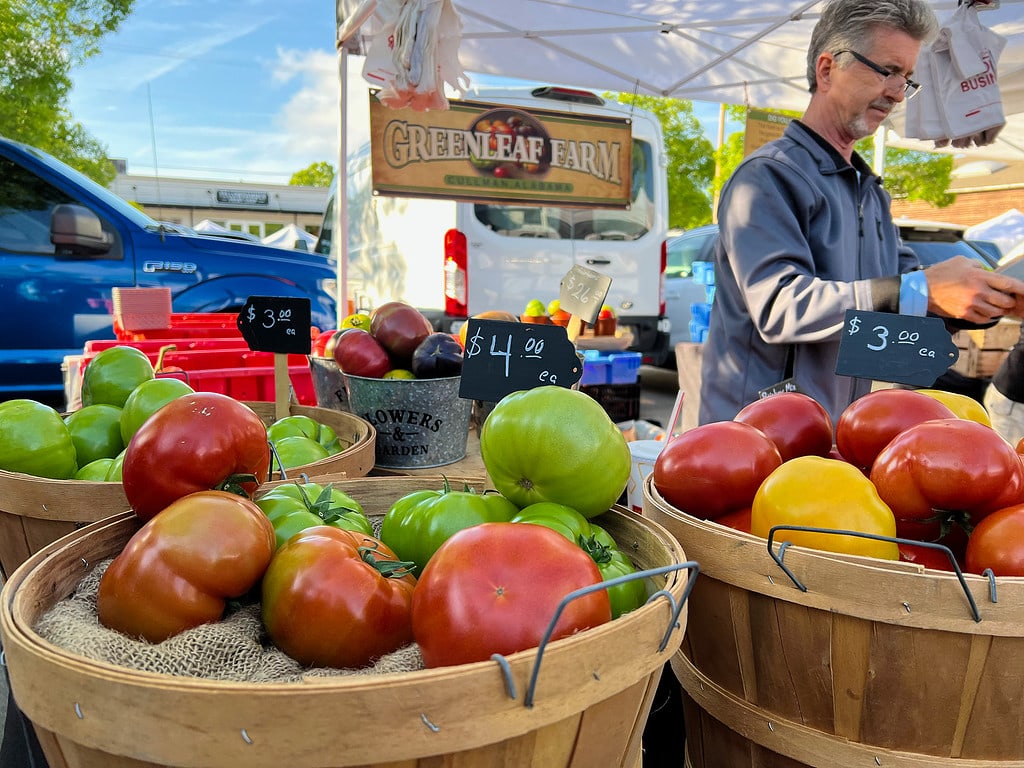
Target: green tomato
x=627 y=596
x=292 y=508
x=298 y=425
x=420 y=522
x=148 y=398
x=35 y=440
x=297 y=451
x=95 y=470
x=114 y=473
x=558 y=517
x=555 y=444
x=112 y=375
x=96 y=432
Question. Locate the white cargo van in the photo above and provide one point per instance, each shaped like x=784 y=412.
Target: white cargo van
x=455 y=259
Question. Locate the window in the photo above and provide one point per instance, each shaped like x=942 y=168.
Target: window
x=26 y=202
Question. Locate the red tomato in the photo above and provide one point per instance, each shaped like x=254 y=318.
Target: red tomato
x=997 y=542
x=947 y=466
x=495 y=587
x=715 y=468
x=319 y=346
x=194 y=443
x=929 y=557
x=738 y=519
x=358 y=353
x=798 y=424
x=337 y=598
x=399 y=327
x=178 y=570
x=867 y=425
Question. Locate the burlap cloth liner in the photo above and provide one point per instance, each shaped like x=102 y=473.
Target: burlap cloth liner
x=235 y=648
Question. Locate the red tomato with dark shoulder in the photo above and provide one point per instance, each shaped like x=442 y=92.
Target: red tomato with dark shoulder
x=197 y=442
x=337 y=598
x=181 y=567
x=357 y=353
x=495 y=587
x=400 y=328
x=867 y=424
x=798 y=424
x=997 y=542
x=715 y=468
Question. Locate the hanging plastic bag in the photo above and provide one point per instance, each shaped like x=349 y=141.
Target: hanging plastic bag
x=965 y=107
x=415 y=53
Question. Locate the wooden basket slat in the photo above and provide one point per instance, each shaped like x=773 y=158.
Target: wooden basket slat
x=601 y=680
x=872 y=658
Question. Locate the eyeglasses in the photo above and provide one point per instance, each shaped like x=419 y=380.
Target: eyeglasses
x=910 y=88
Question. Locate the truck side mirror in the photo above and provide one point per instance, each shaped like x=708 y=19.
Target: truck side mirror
x=75 y=229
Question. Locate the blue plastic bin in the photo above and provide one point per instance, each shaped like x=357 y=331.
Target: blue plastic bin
x=610 y=367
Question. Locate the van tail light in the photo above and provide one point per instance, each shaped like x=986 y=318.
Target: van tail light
x=455 y=277
x=661 y=278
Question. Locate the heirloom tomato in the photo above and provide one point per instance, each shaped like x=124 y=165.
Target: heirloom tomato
x=555 y=444
x=148 y=398
x=947 y=468
x=181 y=567
x=298 y=425
x=962 y=406
x=337 y=598
x=437 y=356
x=113 y=373
x=35 y=440
x=296 y=451
x=997 y=542
x=558 y=517
x=94 y=471
x=715 y=468
x=96 y=432
x=798 y=424
x=194 y=443
x=400 y=328
x=816 y=492
x=420 y=522
x=495 y=587
x=294 y=507
x=867 y=425
x=359 y=354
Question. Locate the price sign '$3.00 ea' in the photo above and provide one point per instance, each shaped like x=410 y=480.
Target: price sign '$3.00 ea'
x=503 y=357
x=278 y=324
x=903 y=349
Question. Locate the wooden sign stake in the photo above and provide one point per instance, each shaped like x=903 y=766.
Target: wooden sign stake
x=282 y=384
x=574 y=328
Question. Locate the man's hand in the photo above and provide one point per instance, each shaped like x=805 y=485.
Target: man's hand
x=961 y=287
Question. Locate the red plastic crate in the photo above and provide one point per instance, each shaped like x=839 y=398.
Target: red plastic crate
x=187 y=325
x=154 y=345
x=250 y=384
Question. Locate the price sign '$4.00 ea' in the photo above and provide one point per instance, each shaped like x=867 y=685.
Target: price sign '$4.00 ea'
x=278 y=324
x=503 y=357
x=903 y=349
x=582 y=292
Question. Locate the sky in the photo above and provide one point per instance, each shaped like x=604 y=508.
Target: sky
x=236 y=90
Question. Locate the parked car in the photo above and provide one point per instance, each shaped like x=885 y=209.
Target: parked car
x=931 y=241
x=66 y=242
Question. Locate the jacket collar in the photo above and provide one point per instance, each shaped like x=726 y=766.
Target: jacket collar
x=828 y=158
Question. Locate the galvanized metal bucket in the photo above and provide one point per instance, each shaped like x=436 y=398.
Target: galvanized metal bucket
x=420 y=422
x=328 y=383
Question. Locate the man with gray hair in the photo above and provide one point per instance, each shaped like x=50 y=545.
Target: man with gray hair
x=806 y=231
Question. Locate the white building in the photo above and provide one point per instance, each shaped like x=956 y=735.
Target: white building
x=256 y=208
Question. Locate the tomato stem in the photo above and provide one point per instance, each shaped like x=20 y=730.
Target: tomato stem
x=388 y=568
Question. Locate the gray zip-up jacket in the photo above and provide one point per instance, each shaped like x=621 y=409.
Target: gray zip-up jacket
x=804 y=236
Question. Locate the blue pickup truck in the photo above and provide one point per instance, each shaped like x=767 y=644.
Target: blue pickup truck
x=67 y=242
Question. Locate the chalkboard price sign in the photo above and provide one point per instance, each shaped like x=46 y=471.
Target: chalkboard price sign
x=899 y=348
x=276 y=324
x=582 y=292
x=503 y=357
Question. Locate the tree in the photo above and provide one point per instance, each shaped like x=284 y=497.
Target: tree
x=41 y=41
x=319 y=174
x=691 y=163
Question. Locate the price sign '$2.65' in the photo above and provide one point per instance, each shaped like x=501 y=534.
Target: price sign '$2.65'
x=582 y=293
x=278 y=324
x=503 y=357
x=903 y=349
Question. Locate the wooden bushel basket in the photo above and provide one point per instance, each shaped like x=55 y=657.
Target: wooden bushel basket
x=877 y=663
x=354 y=432
x=592 y=695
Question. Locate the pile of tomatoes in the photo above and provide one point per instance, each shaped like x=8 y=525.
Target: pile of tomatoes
x=908 y=470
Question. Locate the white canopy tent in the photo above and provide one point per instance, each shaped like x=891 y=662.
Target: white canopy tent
x=291 y=236
x=207 y=227
x=742 y=52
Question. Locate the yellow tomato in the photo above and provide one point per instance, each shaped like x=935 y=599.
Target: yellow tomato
x=490 y=314
x=963 y=406
x=399 y=373
x=357 y=320
x=816 y=492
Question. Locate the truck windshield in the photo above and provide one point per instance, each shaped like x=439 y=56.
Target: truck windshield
x=582 y=223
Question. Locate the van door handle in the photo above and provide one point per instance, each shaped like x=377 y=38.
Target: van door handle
x=599 y=261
